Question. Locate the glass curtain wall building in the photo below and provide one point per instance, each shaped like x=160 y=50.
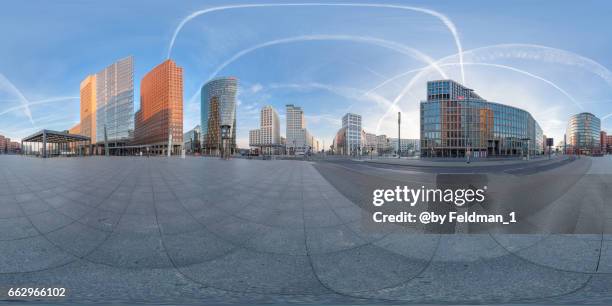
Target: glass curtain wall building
x=456 y=122
x=218 y=108
x=115 y=103
x=352 y=124
x=584 y=134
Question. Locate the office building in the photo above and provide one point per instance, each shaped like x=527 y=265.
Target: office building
x=408 y=147
x=369 y=146
x=159 y=122
x=76 y=129
x=7 y=146
x=352 y=125
x=267 y=138
x=114 y=95
x=13 y=147
x=455 y=122
x=191 y=140
x=383 y=145
x=87 y=125
x=583 y=134
x=3 y=144
x=218 y=110
x=299 y=140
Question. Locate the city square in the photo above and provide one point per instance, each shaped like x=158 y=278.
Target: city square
x=138 y=229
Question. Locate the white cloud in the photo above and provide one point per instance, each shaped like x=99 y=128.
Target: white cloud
x=256 y=88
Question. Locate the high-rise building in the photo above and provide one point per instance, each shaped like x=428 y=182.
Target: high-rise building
x=218 y=109
x=255 y=138
x=159 y=122
x=114 y=120
x=609 y=144
x=603 y=141
x=299 y=140
x=87 y=125
x=295 y=128
x=583 y=134
x=267 y=137
x=455 y=122
x=352 y=124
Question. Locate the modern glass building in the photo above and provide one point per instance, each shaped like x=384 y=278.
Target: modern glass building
x=191 y=140
x=583 y=134
x=218 y=108
x=352 y=123
x=456 y=122
x=115 y=103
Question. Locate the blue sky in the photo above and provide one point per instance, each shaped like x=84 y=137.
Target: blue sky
x=548 y=57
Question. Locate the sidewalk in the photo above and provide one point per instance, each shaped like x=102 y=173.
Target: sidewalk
x=460 y=162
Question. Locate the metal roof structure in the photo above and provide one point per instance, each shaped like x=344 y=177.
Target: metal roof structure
x=54 y=137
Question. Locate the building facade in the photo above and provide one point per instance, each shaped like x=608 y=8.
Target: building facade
x=383 y=145
x=352 y=125
x=9 y=147
x=218 y=108
x=456 y=122
x=267 y=138
x=299 y=140
x=191 y=140
x=583 y=134
x=407 y=147
x=4 y=144
x=159 y=122
x=87 y=125
x=114 y=120
x=76 y=129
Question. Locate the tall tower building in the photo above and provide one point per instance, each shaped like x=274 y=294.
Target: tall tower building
x=267 y=137
x=218 y=108
x=161 y=109
x=87 y=125
x=115 y=103
x=299 y=140
x=352 y=124
x=270 y=126
x=296 y=126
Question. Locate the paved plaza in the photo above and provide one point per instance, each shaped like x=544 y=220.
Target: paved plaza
x=196 y=230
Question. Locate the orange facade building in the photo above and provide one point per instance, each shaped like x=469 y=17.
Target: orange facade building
x=161 y=109
x=88 y=107
x=75 y=129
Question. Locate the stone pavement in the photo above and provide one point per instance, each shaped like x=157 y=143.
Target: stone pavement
x=248 y=231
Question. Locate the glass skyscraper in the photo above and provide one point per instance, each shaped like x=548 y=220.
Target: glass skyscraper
x=115 y=103
x=352 y=123
x=455 y=121
x=584 y=134
x=218 y=108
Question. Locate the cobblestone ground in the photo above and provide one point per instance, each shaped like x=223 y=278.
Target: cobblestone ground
x=247 y=231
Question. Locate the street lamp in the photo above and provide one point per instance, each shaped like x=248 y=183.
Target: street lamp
x=225 y=135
